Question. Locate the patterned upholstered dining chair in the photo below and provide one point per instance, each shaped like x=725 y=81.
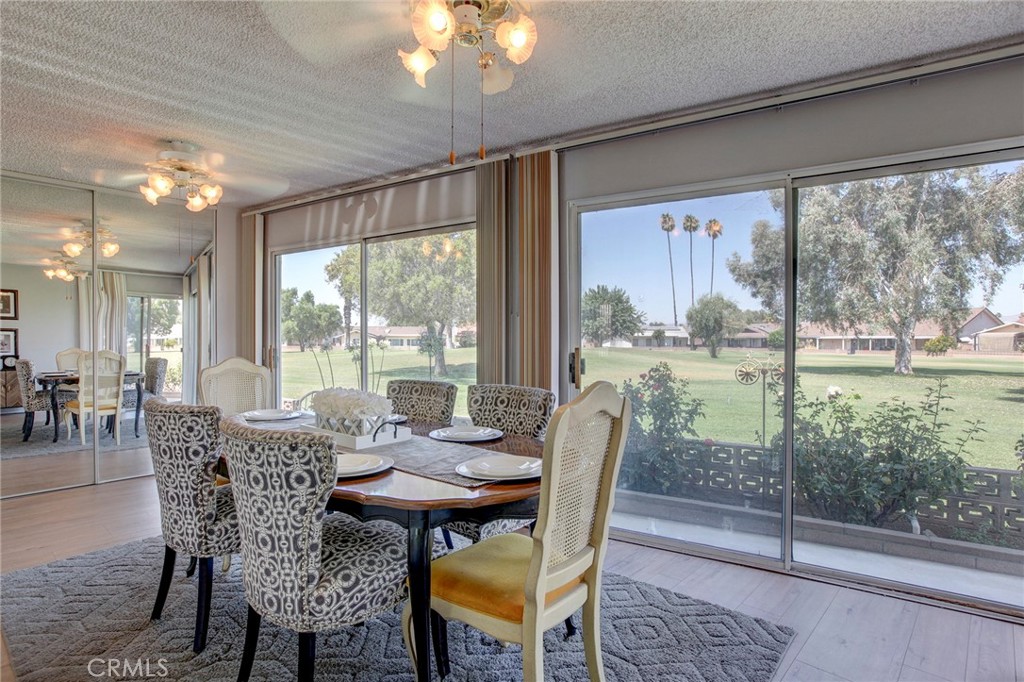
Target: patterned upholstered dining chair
x=235 y=385
x=515 y=587
x=302 y=569
x=197 y=517
x=31 y=399
x=516 y=410
x=423 y=401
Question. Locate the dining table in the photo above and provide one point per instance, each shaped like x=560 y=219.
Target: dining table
x=422 y=491
x=52 y=381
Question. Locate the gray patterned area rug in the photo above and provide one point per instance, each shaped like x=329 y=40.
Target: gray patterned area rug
x=74 y=618
x=41 y=440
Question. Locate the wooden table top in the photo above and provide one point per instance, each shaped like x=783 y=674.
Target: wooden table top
x=403 y=490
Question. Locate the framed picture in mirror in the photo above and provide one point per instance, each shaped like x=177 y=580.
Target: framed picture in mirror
x=8 y=342
x=8 y=304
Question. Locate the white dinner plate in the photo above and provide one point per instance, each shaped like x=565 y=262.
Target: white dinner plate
x=501 y=467
x=466 y=434
x=350 y=465
x=269 y=415
x=397 y=419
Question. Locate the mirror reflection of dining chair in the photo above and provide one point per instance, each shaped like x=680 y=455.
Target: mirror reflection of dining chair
x=31 y=399
x=67 y=361
x=109 y=389
x=515 y=587
x=235 y=386
x=153 y=384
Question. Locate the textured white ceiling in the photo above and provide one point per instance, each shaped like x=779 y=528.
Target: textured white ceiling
x=290 y=97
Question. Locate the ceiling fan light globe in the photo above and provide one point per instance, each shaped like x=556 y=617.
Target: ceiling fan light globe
x=195 y=202
x=521 y=38
x=49 y=272
x=212 y=193
x=433 y=24
x=161 y=184
x=150 y=194
x=73 y=249
x=496 y=79
x=418 y=63
x=110 y=249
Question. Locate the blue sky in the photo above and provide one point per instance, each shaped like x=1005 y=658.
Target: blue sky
x=626 y=247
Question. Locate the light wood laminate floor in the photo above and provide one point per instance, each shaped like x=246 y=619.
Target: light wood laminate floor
x=842 y=633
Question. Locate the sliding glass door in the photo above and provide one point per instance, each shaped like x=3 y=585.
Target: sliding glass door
x=418 y=320
x=906 y=407
x=665 y=316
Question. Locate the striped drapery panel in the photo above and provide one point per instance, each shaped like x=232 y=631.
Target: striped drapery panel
x=536 y=284
x=492 y=271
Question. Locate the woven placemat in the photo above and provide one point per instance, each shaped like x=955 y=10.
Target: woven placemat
x=433 y=459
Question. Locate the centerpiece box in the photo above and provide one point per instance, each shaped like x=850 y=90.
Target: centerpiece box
x=355 y=419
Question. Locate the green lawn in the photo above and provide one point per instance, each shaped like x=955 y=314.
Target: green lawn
x=987 y=388
x=990 y=389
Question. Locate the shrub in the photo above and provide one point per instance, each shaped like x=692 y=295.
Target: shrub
x=172 y=380
x=777 y=339
x=874 y=470
x=466 y=339
x=655 y=458
x=939 y=345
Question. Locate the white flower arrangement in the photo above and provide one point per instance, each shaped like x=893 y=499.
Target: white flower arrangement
x=833 y=392
x=350 y=403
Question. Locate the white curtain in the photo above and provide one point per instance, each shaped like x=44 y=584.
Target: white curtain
x=85 y=312
x=112 y=312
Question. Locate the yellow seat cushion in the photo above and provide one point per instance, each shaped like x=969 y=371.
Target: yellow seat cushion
x=104 y=405
x=490 y=577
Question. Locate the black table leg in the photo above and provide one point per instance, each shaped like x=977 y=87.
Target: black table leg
x=53 y=406
x=138 y=404
x=421 y=542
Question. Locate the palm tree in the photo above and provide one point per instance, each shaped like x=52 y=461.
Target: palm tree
x=691 y=224
x=713 y=229
x=668 y=224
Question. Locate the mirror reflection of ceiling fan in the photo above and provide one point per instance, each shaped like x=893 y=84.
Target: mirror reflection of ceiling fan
x=185 y=170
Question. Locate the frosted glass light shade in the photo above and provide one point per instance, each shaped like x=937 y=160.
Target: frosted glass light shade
x=110 y=249
x=517 y=38
x=212 y=193
x=433 y=24
x=150 y=194
x=418 y=63
x=496 y=79
x=161 y=184
x=74 y=249
x=195 y=202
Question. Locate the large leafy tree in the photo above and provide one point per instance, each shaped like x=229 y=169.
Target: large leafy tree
x=306 y=322
x=894 y=250
x=164 y=313
x=712 y=319
x=607 y=313
x=343 y=273
x=424 y=281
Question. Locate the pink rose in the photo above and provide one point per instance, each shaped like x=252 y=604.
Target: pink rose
x=709 y=442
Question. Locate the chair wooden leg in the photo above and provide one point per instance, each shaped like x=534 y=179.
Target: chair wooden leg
x=439 y=631
x=165 y=583
x=190 y=571
x=447 y=538
x=592 y=637
x=26 y=426
x=533 y=655
x=252 y=636
x=307 y=656
x=570 y=628
x=203 y=603
x=47 y=423
x=407 y=635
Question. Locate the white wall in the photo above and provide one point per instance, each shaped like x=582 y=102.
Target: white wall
x=232 y=303
x=47 y=314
